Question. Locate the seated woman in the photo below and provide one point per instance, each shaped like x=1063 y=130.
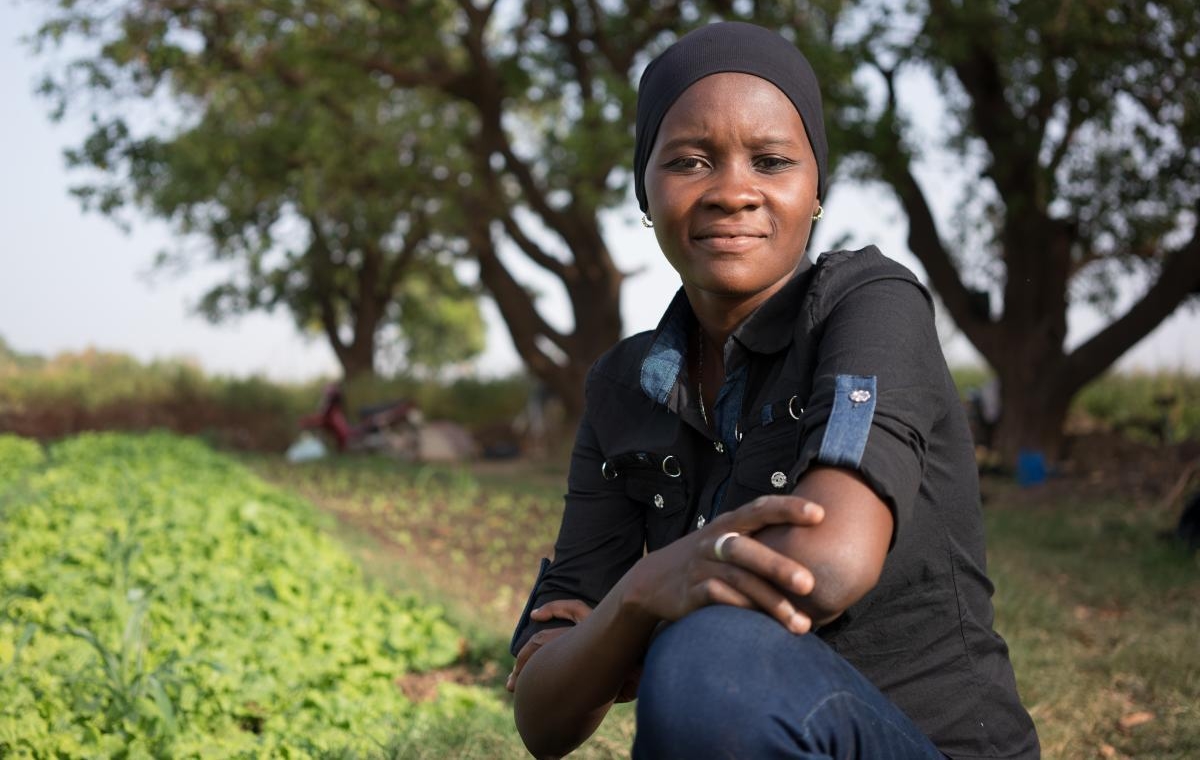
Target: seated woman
x=773 y=511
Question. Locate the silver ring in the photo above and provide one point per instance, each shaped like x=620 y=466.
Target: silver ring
x=608 y=471
x=719 y=545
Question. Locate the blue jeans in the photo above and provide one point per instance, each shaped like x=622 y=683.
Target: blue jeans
x=725 y=682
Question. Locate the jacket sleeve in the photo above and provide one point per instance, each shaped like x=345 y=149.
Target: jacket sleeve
x=880 y=384
x=601 y=536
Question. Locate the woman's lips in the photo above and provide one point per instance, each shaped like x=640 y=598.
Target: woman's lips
x=728 y=243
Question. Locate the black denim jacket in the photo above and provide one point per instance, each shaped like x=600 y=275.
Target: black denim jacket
x=843 y=367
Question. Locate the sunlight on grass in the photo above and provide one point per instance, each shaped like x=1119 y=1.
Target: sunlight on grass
x=1100 y=613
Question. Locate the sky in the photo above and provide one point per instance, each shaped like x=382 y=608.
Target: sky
x=70 y=280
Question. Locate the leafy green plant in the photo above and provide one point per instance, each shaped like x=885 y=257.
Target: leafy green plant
x=18 y=456
x=156 y=599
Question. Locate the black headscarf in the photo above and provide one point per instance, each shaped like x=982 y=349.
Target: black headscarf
x=730 y=46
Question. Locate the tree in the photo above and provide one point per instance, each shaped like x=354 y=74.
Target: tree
x=1078 y=126
x=322 y=189
x=1075 y=123
x=544 y=104
x=552 y=89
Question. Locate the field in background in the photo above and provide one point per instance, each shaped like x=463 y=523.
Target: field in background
x=1100 y=611
x=155 y=594
x=48 y=398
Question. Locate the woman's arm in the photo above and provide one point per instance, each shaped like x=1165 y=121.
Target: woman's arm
x=846 y=551
x=569 y=683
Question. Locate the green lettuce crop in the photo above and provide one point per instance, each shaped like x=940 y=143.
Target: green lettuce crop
x=156 y=599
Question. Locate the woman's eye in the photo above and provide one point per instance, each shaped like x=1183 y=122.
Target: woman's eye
x=686 y=163
x=773 y=163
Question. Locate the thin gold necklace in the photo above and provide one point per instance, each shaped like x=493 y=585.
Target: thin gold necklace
x=700 y=374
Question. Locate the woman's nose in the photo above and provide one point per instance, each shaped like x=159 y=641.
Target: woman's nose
x=733 y=188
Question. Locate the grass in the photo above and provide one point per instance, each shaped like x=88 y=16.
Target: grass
x=1101 y=614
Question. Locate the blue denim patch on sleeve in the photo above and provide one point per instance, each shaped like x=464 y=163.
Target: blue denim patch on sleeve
x=849 y=422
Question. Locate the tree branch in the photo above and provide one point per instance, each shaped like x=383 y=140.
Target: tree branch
x=322 y=263
x=524 y=322
x=923 y=238
x=572 y=38
x=532 y=249
x=993 y=119
x=418 y=231
x=1060 y=151
x=1179 y=279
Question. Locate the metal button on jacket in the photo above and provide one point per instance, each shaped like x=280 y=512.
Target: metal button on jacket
x=778 y=479
x=658 y=500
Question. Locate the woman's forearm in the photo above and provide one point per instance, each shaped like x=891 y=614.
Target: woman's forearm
x=567 y=686
x=845 y=552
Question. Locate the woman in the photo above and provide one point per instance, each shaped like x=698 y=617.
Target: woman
x=773 y=511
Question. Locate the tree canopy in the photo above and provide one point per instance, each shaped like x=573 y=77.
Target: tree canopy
x=538 y=99
x=323 y=189
x=496 y=126
x=1077 y=130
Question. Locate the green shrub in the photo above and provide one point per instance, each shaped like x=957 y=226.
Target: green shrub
x=1162 y=405
x=17 y=457
x=156 y=599
x=473 y=402
x=1153 y=406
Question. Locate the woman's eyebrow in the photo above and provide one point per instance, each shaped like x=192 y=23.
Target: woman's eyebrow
x=772 y=141
x=686 y=141
x=763 y=142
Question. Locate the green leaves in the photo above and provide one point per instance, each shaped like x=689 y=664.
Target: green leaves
x=255 y=129
x=156 y=598
x=18 y=457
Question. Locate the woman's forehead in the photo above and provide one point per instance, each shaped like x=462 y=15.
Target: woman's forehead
x=731 y=100
x=726 y=47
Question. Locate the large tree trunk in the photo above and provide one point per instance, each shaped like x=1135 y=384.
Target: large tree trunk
x=357 y=360
x=1033 y=409
x=559 y=361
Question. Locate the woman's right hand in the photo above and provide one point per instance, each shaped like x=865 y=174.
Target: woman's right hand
x=686 y=574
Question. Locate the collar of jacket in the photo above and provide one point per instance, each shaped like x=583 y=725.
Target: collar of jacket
x=767 y=330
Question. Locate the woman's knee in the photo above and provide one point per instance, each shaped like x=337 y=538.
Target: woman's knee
x=723 y=675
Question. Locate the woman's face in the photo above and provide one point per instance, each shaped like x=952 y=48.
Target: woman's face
x=731 y=186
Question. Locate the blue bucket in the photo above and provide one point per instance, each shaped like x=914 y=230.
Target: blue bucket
x=1031 y=468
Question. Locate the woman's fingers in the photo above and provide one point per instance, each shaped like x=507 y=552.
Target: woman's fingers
x=783 y=572
x=562 y=609
x=730 y=584
x=687 y=575
x=769 y=510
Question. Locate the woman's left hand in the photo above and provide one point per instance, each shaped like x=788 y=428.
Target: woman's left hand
x=563 y=609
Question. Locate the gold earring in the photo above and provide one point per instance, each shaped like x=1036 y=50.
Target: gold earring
x=820 y=212
x=647 y=222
